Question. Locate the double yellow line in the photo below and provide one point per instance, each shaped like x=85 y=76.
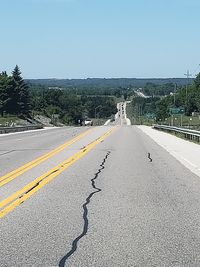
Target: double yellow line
x=11 y=202
x=13 y=174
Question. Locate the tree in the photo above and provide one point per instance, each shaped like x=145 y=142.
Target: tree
x=6 y=88
x=197 y=81
x=20 y=93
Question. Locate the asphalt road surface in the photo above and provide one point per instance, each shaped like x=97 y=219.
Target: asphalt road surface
x=97 y=200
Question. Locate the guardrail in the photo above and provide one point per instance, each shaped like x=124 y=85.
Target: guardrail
x=19 y=128
x=186 y=133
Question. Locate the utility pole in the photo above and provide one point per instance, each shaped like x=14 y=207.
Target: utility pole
x=188 y=75
x=175 y=86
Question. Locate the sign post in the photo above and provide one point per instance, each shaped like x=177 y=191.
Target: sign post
x=178 y=111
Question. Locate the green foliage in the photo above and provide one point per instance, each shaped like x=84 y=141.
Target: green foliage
x=71 y=107
x=197 y=81
x=152 y=89
x=104 y=84
x=14 y=94
x=5 y=92
x=190 y=101
x=160 y=106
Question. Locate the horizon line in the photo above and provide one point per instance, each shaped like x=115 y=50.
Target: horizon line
x=103 y=78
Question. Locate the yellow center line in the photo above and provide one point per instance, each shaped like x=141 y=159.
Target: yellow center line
x=15 y=173
x=23 y=194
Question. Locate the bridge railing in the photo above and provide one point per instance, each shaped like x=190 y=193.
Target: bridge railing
x=182 y=132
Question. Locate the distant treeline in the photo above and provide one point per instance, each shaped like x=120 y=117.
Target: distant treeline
x=152 y=89
x=105 y=83
x=74 y=100
x=70 y=106
x=118 y=92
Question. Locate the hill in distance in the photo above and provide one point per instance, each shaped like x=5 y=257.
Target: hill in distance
x=106 y=83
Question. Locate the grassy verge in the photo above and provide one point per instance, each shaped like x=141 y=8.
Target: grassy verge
x=98 y=122
x=137 y=120
x=184 y=121
x=175 y=120
x=7 y=120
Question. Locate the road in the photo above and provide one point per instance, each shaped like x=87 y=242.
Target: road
x=140 y=94
x=99 y=200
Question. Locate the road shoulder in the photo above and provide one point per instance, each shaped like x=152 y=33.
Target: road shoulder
x=186 y=152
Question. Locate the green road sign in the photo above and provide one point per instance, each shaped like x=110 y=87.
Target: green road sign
x=177 y=111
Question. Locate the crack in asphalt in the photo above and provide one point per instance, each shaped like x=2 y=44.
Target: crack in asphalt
x=38 y=183
x=149 y=157
x=85 y=214
x=7 y=152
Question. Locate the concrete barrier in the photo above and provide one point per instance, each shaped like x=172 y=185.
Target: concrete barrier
x=4 y=130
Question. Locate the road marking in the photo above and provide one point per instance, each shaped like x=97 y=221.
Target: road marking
x=24 y=193
x=189 y=162
x=15 y=173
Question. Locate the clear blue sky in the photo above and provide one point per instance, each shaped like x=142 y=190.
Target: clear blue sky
x=100 y=38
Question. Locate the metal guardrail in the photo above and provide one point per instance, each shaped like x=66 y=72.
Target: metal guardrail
x=186 y=133
x=19 y=128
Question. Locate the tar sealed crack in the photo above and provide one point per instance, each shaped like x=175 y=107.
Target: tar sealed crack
x=149 y=157
x=74 y=246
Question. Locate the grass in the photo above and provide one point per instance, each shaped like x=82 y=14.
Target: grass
x=7 y=120
x=135 y=120
x=184 y=121
x=97 y=122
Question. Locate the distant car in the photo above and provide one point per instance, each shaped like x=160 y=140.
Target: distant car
x=88 y=122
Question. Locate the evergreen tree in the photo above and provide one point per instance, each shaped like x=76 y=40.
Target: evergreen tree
x=5 y=92
x=20 y=93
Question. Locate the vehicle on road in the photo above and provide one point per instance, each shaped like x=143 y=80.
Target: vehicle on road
x=88 y=122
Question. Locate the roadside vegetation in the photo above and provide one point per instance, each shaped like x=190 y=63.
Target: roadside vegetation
x=171 y=105
x=67 y=106
x=71 y=101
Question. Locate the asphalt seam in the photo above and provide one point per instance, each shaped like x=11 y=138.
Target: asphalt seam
x=7 y=152
x=74 y=245
x=22 y=150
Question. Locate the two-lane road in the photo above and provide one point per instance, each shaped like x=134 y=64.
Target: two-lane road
x=100 y=202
